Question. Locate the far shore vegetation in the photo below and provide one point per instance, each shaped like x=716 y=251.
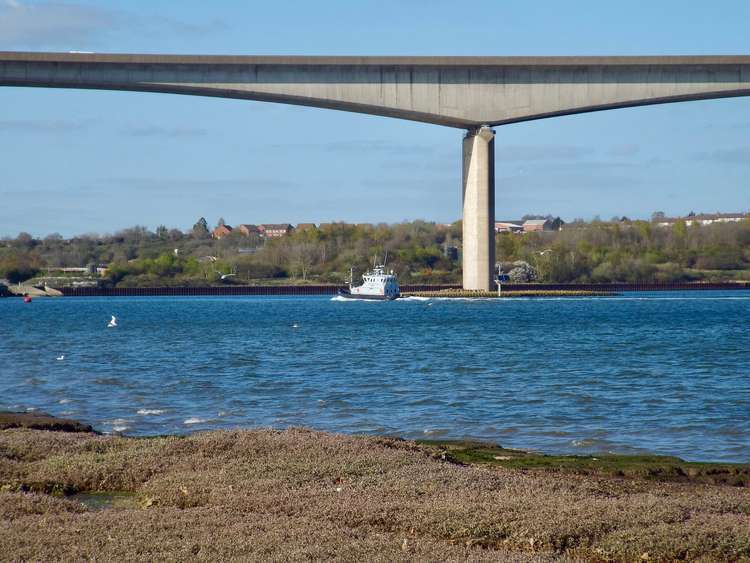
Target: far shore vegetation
x=420 y=252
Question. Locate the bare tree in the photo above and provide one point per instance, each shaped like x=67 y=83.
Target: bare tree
x=302 y=257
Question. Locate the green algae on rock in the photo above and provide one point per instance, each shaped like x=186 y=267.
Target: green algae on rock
x=650 y=467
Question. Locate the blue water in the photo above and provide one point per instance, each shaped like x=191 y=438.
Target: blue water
x=665 y=372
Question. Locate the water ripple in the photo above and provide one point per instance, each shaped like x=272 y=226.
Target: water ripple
x=664 y=373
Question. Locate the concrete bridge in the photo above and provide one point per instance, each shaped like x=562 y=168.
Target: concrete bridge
x=471 y=93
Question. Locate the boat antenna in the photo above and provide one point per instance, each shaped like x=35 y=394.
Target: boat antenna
x=385 y=260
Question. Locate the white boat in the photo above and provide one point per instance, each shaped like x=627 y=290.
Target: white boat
x=377 y=284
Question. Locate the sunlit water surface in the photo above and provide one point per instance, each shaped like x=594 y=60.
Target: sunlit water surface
x=661 y=372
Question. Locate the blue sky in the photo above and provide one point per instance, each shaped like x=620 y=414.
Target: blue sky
x=89 y=161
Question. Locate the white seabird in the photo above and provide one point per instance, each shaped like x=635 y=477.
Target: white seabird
x=223 y=276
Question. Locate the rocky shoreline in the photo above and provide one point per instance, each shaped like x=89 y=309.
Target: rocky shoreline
x=41 y=421
x=299 y=494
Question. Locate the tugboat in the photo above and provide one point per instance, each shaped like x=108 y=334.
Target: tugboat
x=377 y=284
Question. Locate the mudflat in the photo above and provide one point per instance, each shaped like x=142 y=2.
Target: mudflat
x=299 y=495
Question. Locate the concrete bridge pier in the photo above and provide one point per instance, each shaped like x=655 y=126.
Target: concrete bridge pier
x=479 y=209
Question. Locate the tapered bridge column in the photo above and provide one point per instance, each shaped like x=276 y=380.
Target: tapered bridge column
x=479 y=209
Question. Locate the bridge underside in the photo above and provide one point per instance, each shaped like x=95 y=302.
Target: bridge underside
x=462 y=92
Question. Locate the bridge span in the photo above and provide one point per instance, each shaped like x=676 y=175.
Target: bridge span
x=471 y=93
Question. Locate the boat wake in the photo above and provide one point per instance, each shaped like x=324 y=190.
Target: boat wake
x=412 y=298
x=349 y=300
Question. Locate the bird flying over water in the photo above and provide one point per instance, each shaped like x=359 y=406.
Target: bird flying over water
x=112 y=322
x=224 y=276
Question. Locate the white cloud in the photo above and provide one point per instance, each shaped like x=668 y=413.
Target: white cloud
x=45 y=23
x=165 y=132
x=508 y=153
x=737 y=155
x=624 y=150
x=44 y=125
x=72 y=25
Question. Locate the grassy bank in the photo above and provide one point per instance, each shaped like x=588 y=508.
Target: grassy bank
x=645 y=467
x=298 y=494
x=464 y=293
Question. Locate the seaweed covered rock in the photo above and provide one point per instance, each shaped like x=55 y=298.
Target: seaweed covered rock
x=41 y=421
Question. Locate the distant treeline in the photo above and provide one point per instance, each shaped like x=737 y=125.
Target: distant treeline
x=140 y=257
x=420 y=252
x=634 y=251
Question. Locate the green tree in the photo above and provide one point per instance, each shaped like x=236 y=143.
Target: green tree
x=18 y=268
x=200 y=229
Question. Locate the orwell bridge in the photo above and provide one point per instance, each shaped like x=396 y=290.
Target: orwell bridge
x=475 y=94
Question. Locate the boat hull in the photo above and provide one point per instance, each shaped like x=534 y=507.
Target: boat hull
x=347 y=295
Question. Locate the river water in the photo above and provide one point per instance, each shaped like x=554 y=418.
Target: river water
x=643 y=372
